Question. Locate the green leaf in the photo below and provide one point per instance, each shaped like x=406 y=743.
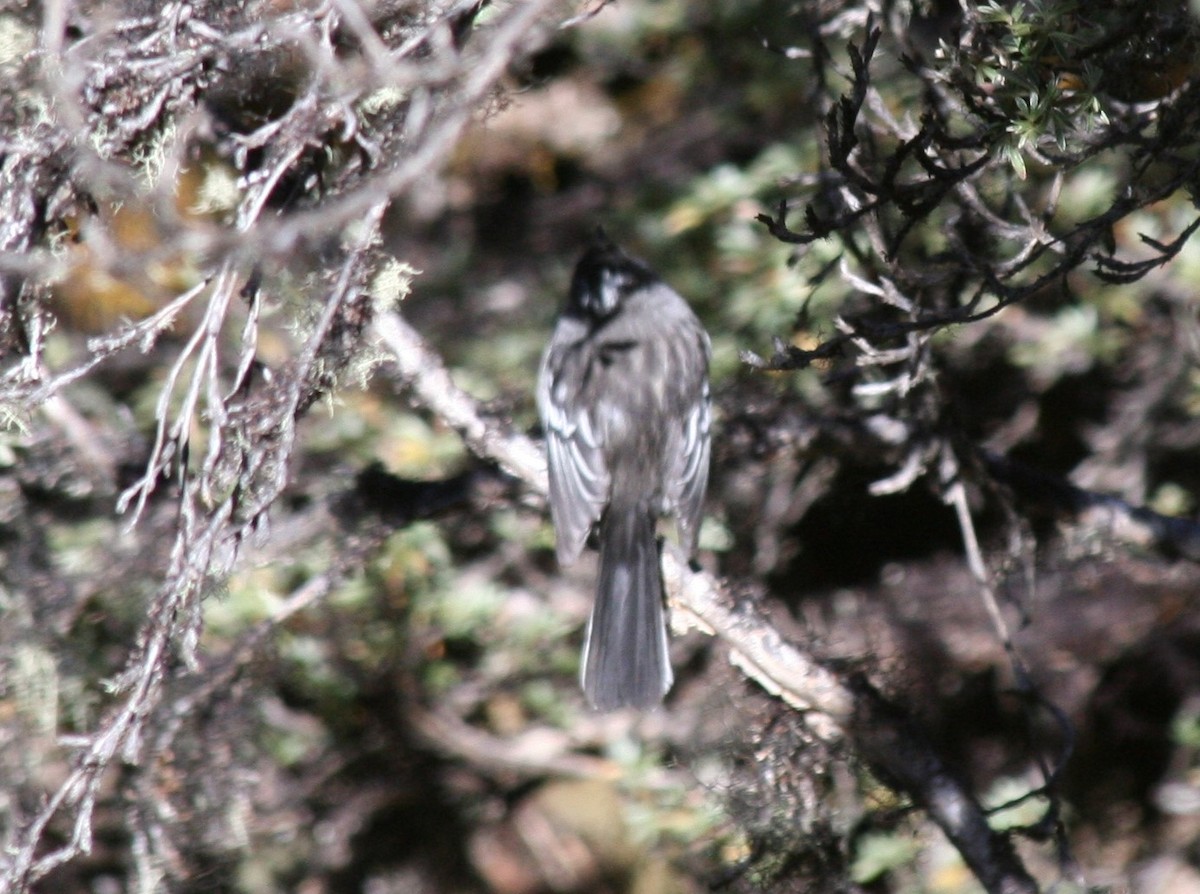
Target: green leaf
x=881 y=852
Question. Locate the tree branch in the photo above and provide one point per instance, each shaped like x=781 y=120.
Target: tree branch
x=832 y=705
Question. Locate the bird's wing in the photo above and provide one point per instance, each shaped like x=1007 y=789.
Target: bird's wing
x=688 y=454
x=579 y=477
x=691 y=471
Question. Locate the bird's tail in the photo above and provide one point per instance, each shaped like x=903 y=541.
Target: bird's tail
x=625 y=658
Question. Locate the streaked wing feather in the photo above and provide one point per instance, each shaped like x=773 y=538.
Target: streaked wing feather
x=579 y=481
x=691 y=478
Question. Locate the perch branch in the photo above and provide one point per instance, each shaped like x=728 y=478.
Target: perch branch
x=833 y=706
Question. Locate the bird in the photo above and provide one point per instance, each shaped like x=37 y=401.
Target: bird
x=624 y=399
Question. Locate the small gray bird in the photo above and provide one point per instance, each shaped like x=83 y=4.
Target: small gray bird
x=624 y=400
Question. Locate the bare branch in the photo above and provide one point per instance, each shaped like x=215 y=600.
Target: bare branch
x=832 y=706
x=136 y=101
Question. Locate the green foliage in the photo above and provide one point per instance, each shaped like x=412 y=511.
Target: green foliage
x=700 y=118
x=878 y=853
x=1041 y=91
x=1012 y=806
x=1185 y=727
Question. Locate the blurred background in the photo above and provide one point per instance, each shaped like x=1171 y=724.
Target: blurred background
x=369 y=683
